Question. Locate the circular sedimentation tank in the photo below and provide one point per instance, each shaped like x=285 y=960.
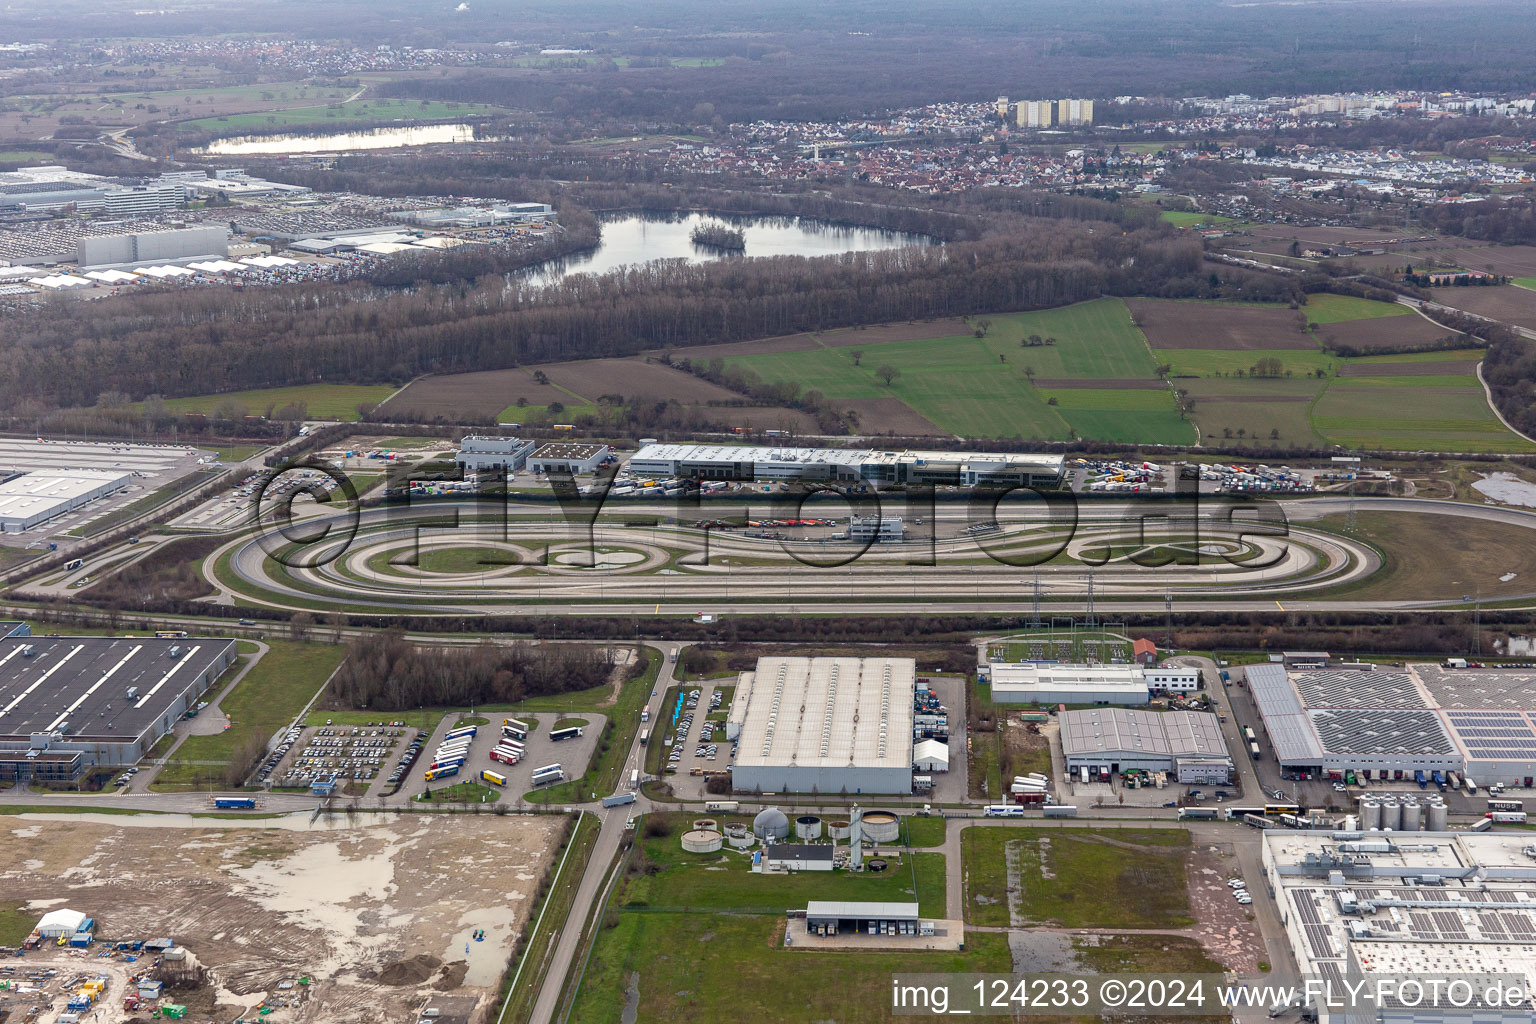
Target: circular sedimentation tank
x=741 y=840
x=881 y=826
x=706 y=823
x=839 y=829
x=808 y=826
x=875 y=864
x=702 y=840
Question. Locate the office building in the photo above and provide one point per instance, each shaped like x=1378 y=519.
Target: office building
x=478 y=454
x=1035 y=683
x=568 y=457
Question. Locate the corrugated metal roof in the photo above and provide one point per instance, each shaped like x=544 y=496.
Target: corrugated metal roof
x=1167 y=734
x=1284 y=719
x=825 y=712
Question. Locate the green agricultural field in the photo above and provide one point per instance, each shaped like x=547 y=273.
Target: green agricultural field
x=321 y=401
x=539 y=413
x=664 y=967
x=355 y=110
x=1076 y=878
x=1327 y=308
x=1123 y=414
x=1454 y=355
x=1388 y=413
x=1209 y=362
x=1224 y=406
x=981 y=387
x=24 y=156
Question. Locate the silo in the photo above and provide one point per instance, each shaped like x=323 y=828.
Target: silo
x=1391 y=815
x=881 y=827
x=1370 y=814
x=838 y=830
x=1437 y=817
x=1413 y=816
x=808 y=826
x=701 y=840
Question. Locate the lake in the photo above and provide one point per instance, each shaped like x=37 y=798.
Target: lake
x=371 y=138
x=641 y=237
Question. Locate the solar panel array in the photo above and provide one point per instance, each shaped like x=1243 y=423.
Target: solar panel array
x=1495 y=735
x=1351 y=689
x=1479 y=688
x=1381 y=731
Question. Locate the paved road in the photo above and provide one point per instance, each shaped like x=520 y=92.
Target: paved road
x=606 y=848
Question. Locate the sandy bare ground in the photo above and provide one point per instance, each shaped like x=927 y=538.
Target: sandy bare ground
x=378 y=914
x=1172 y=324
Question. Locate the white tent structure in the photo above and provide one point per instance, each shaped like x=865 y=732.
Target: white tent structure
x=58 y=923
x=930 y=756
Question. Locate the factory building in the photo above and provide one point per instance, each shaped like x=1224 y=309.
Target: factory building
x=1390 y=724
x=28 y=500
x=75 y=702
x=1033 y=683
x=843 y=465
x=1433 y=904
x=798 y=857
x=568 y=457
x=1188 y=745
x=148 y=246
x=824 y=725
x=508 y=455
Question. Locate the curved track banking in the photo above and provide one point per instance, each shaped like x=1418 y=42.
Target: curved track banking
x=539 y=567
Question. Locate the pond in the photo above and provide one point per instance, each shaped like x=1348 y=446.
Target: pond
x=641 y=237
x=370 y=138
x=1508 y=488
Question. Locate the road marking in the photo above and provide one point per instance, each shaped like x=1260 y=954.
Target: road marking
x=657 y=609
x=1280 y=606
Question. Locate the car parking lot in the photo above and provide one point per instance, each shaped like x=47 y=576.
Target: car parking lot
x=351 y=753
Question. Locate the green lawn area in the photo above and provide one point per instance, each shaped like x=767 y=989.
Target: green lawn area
x=1400 y=413
x=24 y=156
x=268 y=698
x=727 y=967
x=725 y=881
x=1076 y=878
x=1211 y=362
x=356 y=110
x=321 y=401
x=453 y=561
x=1455 y=355
x=466 y=793
x=1526 y=282
x=1188 y=218
x=980 y=387
x=924 y=832
x=530 y=413
x=16 y=923
x=1327 y=308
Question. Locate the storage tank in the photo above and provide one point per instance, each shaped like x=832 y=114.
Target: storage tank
x=1351 y=823
x=770 y=823
x=808 y=826
x=1370 y=813
x=1413 y=816
x=881 y=826
x=1391 y=815
x=740 y=839
x=1437 y=817
x=839 y=830
x=701 y=840
x=702 y=824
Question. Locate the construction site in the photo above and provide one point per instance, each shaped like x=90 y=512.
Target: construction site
x=346 y=920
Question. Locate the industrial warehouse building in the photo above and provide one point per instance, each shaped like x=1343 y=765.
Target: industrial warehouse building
x=857 y=917
x=1037 y=683
x=842 y=465
x=799 y=857
x=28 y=500
x=1426 y=904
x=477 y=454
x=568 y=457
x=1188 y=745
x=150 y=246
x=1389 y=724
x=70 y=703
x=824 y=725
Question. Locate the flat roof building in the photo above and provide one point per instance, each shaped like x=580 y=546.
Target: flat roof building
x=824 y=725
x=1121 y=739
x=799 y=857
x=107 y=699
x=845 y=465
x=478 y=454
x=1392 y=723
x=855 y=916
x=1438 y=904
x=28 y=500
x=1034 y=683
x=568 y=457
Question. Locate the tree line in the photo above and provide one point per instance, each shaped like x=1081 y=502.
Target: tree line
x=384 y=672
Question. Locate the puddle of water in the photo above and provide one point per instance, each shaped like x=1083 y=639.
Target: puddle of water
x=1042 y=952
x=1508 y=488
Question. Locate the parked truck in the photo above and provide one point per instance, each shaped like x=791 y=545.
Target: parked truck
x=235 y=803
